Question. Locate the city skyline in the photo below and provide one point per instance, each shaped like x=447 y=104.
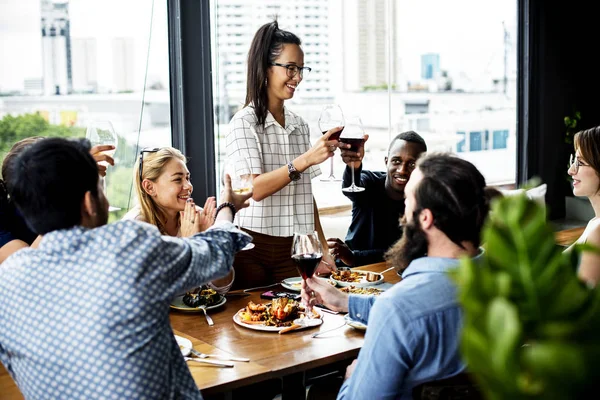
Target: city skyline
x=472 y=53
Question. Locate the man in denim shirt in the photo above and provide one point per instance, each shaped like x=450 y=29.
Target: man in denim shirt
x=414 y=327
x=86 y=314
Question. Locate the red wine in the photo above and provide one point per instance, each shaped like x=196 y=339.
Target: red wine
x=355 y=143
x=335 y=136
x=307 y=263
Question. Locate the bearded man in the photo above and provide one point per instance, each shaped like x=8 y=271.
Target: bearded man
x=414 y=327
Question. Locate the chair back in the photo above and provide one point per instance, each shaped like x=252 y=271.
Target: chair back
x=458 y=387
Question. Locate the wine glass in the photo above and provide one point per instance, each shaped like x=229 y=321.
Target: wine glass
x=103 y=133
x=306 y=253
x=354 y=135
x=331 y=117
x=240 y=173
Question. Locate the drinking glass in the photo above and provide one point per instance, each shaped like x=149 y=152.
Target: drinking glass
x=354 y=135
x=306 y=253
x=331 y=117
x=240 y=173
x=103 y=133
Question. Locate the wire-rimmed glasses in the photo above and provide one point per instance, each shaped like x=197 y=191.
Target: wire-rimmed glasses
x=574 y=161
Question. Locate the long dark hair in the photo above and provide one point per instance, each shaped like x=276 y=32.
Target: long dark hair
x=14 y=151
x=264 y=50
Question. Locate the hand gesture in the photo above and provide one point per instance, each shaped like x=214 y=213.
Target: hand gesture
x=323 y=293
x=189 y=220
x=238 y=200
x=340 y=250
x=206 y=215
x=98 y=153
x=323 y=148
x=349 y=156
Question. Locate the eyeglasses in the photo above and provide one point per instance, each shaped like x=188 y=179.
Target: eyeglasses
x=141 y=166
x=292 y=69
x=574 y=161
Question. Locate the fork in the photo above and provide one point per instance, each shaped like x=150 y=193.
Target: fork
x=218 y=357
x=208 y=318
x=215 y=363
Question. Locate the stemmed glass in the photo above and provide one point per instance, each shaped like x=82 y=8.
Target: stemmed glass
x=331 y=117
x=240 y=173
x=306 y=253
x=103 y=133
x=354 y=135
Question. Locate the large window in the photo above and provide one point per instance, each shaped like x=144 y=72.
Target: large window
x=400 y=65
x=80 y=64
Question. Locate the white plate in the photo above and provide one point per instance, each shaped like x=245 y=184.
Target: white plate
x=362 y=283
x=177 y=304
x=185 y=345
x=294 y=284
x=355 y=324
x=259 y=327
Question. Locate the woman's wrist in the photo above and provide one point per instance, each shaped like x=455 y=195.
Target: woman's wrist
x=226 y=204
x=300 y=163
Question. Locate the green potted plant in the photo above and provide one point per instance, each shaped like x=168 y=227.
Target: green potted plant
x=531 y=327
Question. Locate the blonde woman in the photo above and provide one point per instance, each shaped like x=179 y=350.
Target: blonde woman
x=164 y=193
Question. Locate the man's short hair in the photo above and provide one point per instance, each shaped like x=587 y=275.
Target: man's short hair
x=48 y=182
x=408 y=136
x=455 y=192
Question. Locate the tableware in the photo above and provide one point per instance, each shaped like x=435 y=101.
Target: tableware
x=302 y=323
x=208 y=318
x=294 y=284
x=177 y=304
x=185 y=345
x=307 y=253
x=218 y=357
x=315 y=335
x=260 y=327
x=331 y=117
x=354 y=135
x=355 y=324
x=363 y=280
x=238 y=169
x=210 y=362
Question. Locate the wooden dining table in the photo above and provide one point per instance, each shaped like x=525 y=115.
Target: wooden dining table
x=290 y=359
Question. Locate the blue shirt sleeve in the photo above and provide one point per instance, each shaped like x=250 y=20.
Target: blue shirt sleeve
x=359 y=307
x=385 y=358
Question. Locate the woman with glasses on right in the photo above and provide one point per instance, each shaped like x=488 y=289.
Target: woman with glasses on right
x=585 y=170
x=276 y=143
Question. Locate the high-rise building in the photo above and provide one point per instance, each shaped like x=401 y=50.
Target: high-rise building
x=85 y=61
x=123 y=64
x=369 y=38
x=56 y=47
x=238 y=20
x=430 y=66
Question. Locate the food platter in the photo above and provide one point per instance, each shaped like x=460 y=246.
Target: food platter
x=177 y=304
x=295 y=317
x=363 y=291
x=356 y=278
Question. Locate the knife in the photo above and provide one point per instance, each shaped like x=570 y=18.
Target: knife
x=216 y=363
x=218 y=357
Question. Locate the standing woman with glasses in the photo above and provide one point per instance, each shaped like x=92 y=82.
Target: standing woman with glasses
x=164 y=193
x=585 y=170
x=276 y=143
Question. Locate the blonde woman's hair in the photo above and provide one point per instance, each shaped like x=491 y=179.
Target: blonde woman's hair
x=153 y=166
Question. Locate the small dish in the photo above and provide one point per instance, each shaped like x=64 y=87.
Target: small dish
x=185 y=345
x=354 y=324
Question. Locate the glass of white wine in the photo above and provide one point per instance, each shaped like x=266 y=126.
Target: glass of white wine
x=239 y=170
x=103 y=133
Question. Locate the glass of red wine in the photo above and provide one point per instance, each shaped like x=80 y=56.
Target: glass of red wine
x=306 y=253
x=331 y=117
x=354 y=135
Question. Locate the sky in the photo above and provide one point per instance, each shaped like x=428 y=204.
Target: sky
x=467 y=34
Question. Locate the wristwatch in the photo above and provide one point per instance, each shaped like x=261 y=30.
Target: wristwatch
x=293 y=172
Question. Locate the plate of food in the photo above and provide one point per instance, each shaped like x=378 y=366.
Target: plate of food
x=185 y=345
x=366 y=291
x=355 y=324
x=294 y=284
x=195 y=300
x=281 y=313
x=356 y=278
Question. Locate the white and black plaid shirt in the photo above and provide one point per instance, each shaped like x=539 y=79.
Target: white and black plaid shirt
x=268 y=148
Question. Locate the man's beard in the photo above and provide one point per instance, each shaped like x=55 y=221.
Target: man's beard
x=411 y=246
